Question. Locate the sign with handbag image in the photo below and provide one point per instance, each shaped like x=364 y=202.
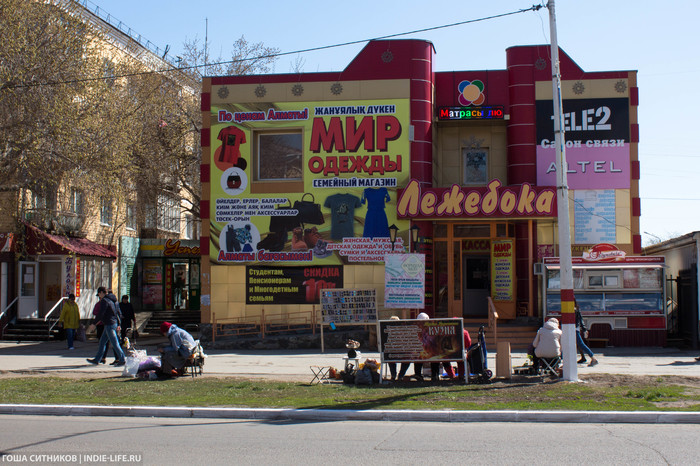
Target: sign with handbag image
x=309 y=211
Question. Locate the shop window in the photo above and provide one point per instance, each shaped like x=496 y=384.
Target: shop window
x=553 y=279
x=634 y=302
x=603 y=279
x=472 y=231
x=442 y=282
x=457 y=275
x=589 y=302
x=440 y=230
x=505 y=230
x=278 y=156
x=476 y=166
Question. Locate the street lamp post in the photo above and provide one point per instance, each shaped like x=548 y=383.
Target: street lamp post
x=415 y=229
x=393 y=229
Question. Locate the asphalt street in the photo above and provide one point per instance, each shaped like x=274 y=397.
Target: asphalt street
x=283 y=442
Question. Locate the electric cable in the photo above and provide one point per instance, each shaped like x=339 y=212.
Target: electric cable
x=272 y=55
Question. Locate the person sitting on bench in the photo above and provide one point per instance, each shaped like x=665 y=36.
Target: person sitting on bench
x=547 y=343
x=174 y=356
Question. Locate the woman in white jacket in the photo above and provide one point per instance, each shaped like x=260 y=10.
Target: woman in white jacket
x=547 y=342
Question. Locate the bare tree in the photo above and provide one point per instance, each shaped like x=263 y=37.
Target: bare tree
x=73 y=115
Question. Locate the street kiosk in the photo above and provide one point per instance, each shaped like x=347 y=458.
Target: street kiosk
x=621 y=298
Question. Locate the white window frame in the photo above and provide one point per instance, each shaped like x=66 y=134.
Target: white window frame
x=106 y=212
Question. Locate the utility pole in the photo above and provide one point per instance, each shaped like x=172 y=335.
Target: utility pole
x=206 y=45
x=566 y=274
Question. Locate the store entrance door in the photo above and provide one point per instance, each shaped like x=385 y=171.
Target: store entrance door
x=28 y=305
x=180 y=285
x=476 y=285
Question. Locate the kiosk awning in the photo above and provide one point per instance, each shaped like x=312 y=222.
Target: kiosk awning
x=41 y=242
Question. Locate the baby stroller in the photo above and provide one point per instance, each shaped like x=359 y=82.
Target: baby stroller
x=477 y=358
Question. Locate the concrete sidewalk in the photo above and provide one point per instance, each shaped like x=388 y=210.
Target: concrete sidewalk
x=52 y=358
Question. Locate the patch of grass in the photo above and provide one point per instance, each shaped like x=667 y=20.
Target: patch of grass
x=665 y=393
x=231 y=392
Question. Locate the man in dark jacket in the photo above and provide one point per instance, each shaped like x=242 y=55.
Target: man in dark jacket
x=108 y=314
x=128 y=316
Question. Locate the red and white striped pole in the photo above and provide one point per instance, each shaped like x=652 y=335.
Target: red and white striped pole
x=566 y=276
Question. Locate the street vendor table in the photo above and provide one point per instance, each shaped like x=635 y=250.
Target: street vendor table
x=354 y=361
x=320 y=374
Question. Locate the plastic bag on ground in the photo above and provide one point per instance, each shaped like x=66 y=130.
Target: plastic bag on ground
x=133 y=360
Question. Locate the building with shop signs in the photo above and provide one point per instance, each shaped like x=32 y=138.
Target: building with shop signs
x=305 y=174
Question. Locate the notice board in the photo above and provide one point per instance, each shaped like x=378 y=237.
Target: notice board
x=349 y=306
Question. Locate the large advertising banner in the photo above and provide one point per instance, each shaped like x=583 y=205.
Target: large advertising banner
x=421 y=340
x=290 y=285
x=308 y=182
x=597 y=135
x=404 y=281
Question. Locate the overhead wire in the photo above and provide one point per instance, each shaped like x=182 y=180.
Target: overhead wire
x=271 y=55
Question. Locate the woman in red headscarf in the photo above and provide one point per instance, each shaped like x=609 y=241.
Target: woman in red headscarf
x=176 y=353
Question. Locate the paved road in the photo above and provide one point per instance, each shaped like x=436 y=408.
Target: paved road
x=182 y=441
x=54 y=359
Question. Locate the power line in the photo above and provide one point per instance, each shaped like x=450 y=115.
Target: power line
x=272 y=55
x=670 y=199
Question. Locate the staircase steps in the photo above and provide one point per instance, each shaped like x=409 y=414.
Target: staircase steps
x=185 y=319
x=30 y=330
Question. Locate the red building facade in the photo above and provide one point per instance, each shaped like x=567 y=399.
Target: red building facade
x=466 y=156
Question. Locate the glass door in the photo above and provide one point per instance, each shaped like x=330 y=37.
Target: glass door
x=28 y=303
x=477 y=286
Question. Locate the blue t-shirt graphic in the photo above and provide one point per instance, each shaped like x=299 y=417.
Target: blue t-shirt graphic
x=342 y=214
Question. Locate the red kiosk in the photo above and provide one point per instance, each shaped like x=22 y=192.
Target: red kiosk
x=621 y=297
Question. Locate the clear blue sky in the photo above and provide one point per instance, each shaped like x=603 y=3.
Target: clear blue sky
x=659 y=39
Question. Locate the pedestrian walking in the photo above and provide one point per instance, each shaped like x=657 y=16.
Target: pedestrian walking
x=128 y=316
x=582 y=331
x=108 y=315
x=70 y=319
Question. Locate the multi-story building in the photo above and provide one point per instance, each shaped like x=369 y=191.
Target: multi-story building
x=60 y=236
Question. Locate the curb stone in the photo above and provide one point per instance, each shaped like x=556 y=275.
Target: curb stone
x=593 y=417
